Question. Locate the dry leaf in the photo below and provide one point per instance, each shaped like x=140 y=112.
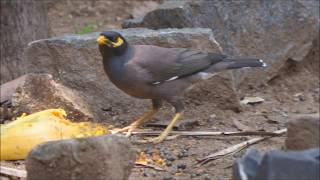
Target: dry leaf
x=142 y=159
x=156 y=157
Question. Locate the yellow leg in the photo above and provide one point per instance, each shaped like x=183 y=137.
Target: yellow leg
x=165 y=133
x=146 y=116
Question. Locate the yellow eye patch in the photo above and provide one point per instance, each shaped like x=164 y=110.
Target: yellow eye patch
x=118 y=43
x=102 y=40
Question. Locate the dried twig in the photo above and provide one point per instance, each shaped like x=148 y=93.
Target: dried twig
x=210 y=133
x=149 y=166
x=240 y=126
x=180 y=125
x=13 y=172
x=236 y=148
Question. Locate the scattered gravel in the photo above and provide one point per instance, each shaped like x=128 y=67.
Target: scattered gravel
x=166 y=154
x=168 y=177
x=207 y=177
x=148 y=150
x=183 y=153
x=194 y=175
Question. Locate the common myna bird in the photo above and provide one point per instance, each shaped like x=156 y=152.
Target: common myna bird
x=157 y=73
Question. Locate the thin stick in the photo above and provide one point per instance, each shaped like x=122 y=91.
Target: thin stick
x=13 y=172
x=236 y=148
x=210 y=133
x=148 y=166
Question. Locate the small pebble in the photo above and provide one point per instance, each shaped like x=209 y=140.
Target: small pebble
x=169 y=163
x=300 y=97
x=193 y=175
x=181 y=166
x=164 y=152
x=145 y=174
x=168 y=177
x=184 y=153
x=115 y=118
x=170 y=158
x=207 y=177
x=212 y=116
x=175 y=170
x=148 y=151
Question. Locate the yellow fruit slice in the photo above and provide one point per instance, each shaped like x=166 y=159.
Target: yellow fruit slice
x=20 y=136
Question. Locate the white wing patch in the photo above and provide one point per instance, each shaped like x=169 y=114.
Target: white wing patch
x=204 y=75
x=173 y=78
x=263 y=63
x=170 y=79
x=155 y=83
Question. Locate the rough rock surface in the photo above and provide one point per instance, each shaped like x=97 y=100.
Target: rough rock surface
x=303 y=132
x=274 y=31
x=104 y=157
x=293 y=165
x=8 y=88
x=76 y=63
x=38 y=92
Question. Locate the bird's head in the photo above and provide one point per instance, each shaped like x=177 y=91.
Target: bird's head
x=111 y=42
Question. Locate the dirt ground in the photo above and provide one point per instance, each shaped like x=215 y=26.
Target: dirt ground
x=81 y=16
x=294 y=91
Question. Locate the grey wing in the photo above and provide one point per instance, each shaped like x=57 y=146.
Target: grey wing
x=165 y=64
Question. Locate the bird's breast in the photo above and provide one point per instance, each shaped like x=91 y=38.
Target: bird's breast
x=124 y=80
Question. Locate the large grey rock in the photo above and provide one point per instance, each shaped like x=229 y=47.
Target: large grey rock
x=303 y=132
x=274 y=31
x=103 y=157
x=293 y=165
x=76 y=63
x=36 y=92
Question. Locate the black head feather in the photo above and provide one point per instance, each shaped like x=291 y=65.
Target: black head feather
x=114 y=43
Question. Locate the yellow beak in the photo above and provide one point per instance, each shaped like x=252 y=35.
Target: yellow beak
x=102 y=40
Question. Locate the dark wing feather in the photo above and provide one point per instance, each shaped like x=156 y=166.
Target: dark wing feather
x=165 y=63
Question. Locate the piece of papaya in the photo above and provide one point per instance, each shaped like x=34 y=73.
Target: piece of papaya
x=20 y=136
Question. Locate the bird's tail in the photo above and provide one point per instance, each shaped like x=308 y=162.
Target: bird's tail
x=241 y=63
x=229 y=63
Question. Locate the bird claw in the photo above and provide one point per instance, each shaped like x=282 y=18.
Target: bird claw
x=129 y=132
x=127 y=129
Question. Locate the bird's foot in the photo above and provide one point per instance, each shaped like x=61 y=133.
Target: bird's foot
x=127 y=130
x=165 y=133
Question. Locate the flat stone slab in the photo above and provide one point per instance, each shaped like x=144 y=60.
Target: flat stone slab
x=103 y=157
x=36 y=92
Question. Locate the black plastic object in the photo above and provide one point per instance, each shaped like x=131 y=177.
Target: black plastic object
x=278 y=165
